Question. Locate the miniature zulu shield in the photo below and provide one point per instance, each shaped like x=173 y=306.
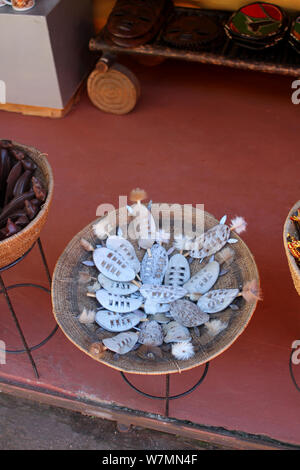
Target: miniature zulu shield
x=160 y=317
x=151 y=334
x=116 y=322
x=116 y=287
x=203 y=280
x=153 y=267
x=121 y=343
x=175 y=332
x=125 y=249
x=150 y=306
x=162 y=294
x=143 y=226
x=178 y=271
x=217 y=300
x=112 y=265
x=118 y=303
x=211 y=241
x=187 y=313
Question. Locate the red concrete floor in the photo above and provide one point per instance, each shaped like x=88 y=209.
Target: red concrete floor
x=200 y=134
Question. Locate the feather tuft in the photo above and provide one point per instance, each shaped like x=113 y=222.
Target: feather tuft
x=225 y=256
x=162 y=237
x=137 y=195
x=183 y=351
x=84 y=277
x=183 y=242
x=215 y=327
x=251 y=291
x=97 y=349
x=86 y=245
x=103 y=229
x=238 y=224
x=87 y=316
x=94 y=287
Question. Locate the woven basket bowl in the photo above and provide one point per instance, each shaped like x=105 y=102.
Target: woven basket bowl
x=290 y=228
x=69 y=298
x=17 y=245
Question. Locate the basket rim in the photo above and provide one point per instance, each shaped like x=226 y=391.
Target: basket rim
x=286 y=229
x=45 y=205
x=130 y=369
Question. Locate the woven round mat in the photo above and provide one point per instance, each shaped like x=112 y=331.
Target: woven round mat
x=289 y=227
x=16 y=246
x=69 y=298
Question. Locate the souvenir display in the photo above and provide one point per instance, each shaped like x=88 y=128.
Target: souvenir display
x=153 y=267
x=125 y=249
x=151 y=334
x=187 y=313
x=175 y=332
x=257 y=26
x=19 y=5
x=213 y=240
x=157 y=300
x=143 y=224
x=178 y=271
x=117 y=287
x=151 y=306
x=192 y=31
x=118 y=303
x=22 y=194
x=113 y=265
x=120 y=344
x=204 y=279
x=294 y=37
x=135 y=22
x=293 y=242
x=116 y=322
x=162 y=294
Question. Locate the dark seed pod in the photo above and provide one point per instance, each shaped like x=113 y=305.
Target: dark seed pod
x=22 y=184
x=29 y=164
x=12 y=178
x=2 y=234
x=15 y=204
x=18 y=154
x=14 y=216
x=11 y=228
x=5 y=166
x=6 y=144
x=22 y=221
x=31 y=210
x=36 y=202
x=18 y=213
x=3 y=223
x=39 y=191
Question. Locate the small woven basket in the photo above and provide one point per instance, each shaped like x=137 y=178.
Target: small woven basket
x=17 y=245
x=289 y=227
x=69 y=298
